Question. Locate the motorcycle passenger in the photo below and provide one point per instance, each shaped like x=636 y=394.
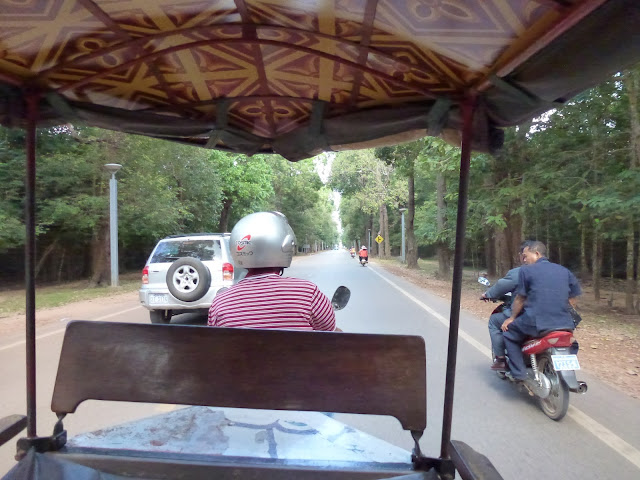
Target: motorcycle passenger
x=499 y=291
x=548 y=289
x=363 y=253
x=264 y=243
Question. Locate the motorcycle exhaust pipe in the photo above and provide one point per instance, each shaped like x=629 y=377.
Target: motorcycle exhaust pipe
x=581 y=388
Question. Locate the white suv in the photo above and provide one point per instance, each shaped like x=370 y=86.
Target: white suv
x=184 y=273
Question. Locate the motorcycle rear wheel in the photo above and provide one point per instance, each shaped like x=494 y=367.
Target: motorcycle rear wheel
x=555 y=406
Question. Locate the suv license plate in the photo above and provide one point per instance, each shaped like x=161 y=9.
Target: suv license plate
x=158 y=298
x=565 y=362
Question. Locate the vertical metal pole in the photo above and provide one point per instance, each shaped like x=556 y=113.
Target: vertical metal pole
x=369 y=243
x=113 y=228
x=468 y=107
x=31 y=100
x=403 y=251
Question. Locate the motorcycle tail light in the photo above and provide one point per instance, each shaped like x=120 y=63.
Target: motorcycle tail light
x=553 y=341
x=145 y=275
x=227 y=271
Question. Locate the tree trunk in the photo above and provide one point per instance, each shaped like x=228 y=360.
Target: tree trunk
x=490 y=254
x=503 y=257
x=489 y=183
x=43 y=258
x=223 y=225
x=412 y=248
x=62 y=254
x=584 y=270
x=443 y=249
x=514 y=229
x=633 y=86
x=386 y=244
x=381 y=210
x=548 y=238
x=629 y=307
x=100 y=255
x=596 y=261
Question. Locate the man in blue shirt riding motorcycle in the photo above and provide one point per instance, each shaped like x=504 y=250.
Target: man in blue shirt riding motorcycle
x=548 y=290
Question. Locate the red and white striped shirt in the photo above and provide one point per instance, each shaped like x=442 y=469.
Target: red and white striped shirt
x=272 y=301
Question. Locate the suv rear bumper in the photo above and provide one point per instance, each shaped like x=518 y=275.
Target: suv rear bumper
x=149 y=298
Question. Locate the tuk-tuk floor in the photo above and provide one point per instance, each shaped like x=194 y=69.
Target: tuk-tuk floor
x=268 y=434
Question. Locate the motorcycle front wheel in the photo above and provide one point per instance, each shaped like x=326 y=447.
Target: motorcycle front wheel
x=555 y=406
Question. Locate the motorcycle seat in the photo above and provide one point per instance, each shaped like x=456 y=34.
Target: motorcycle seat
x=548 y=332
x=553 y=338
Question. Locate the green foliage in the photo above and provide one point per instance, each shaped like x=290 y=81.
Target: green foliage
x=298 y=192
x=163 y=188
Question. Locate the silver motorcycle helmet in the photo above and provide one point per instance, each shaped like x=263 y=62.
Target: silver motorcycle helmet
x=262 y=240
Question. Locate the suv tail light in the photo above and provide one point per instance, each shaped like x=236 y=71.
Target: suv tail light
x=145 y=275
x=227 y=271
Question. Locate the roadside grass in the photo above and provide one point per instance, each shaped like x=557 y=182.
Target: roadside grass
x=13 y=301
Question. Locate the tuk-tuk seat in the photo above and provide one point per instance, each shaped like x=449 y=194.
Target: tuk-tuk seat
x=245 y=368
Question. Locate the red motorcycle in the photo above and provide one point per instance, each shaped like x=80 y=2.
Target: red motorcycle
x=551 y=362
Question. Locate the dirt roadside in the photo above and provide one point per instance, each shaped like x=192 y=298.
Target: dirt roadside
x=13 y=324
x=609 y=340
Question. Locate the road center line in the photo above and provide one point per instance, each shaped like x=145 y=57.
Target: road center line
x=60 y=330
x=601 y=432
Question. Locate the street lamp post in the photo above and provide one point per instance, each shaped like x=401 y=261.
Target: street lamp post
x=369 y=244
x=402 y=210
x=113 y=168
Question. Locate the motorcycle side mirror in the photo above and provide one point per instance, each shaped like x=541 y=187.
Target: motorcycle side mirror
x=340 y=298
x=484 y=281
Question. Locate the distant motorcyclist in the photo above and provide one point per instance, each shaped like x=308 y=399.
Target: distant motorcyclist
x=352 y=251
x=363 y=253
x=264 y=243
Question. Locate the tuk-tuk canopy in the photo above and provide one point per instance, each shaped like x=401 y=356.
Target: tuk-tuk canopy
x=297 y=77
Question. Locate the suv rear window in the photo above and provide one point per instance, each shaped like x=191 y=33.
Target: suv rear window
x=170 y=251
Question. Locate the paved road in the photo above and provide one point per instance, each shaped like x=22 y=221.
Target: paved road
x=599 y=438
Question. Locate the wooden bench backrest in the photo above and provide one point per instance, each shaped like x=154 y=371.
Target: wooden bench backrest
x=225 y=367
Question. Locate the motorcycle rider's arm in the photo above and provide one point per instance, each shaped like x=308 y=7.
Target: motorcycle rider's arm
x=506 y=284
x=516 y=308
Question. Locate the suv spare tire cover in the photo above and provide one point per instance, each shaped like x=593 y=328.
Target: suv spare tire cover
x=188 y=279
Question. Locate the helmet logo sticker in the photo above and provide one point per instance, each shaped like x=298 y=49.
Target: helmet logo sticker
x=240 y=244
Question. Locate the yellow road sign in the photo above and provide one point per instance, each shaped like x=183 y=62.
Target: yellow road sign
x=379 y=239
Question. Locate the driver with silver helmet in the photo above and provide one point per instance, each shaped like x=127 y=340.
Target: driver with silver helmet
x=264 y=243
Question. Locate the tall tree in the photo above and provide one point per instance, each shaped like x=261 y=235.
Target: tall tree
x=403 y=157
x=372 y=182
x=632 y=85
x=247 y=186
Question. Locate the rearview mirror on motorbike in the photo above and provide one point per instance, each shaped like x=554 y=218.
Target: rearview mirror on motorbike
x=340 y=298
x=484 y=281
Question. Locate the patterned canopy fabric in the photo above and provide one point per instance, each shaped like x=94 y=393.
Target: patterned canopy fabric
x=298 y=77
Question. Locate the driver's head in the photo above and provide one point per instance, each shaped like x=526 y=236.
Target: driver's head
x=262 y=240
